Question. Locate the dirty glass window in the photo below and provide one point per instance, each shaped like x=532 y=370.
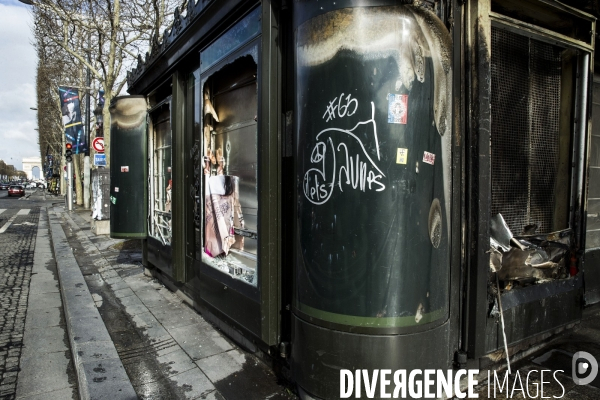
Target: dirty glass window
x=161 y=178
x=233 y=39
x=195 y=154
x=229 y=168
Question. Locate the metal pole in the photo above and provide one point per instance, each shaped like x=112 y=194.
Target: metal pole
x=503 y=328
x=581 y=150
x=63 y=163
x=86 y=158
x=70 y=186
x=86 y=182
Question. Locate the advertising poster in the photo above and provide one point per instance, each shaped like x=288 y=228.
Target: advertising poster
x=71 y=116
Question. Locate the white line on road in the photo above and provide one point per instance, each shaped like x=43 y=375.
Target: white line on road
x=2 y=210
x=6 y=225
x=23 y=211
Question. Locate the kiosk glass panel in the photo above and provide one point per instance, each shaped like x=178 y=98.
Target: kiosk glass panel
x=230 y=167
x=161 y=177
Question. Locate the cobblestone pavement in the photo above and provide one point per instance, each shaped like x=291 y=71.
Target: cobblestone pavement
x=17 y=245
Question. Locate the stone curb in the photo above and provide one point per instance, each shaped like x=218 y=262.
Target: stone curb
x=99 y=369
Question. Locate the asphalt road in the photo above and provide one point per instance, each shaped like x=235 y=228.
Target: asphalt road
x=4 y=194
x=32 y=333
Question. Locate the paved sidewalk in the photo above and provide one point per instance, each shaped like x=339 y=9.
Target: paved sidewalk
x=167 y=350
x=99 y=369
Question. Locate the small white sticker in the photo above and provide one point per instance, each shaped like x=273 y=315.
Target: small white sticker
x=402 y=156
x=125 y=169
x=168 y=169
x=116 y=189
x=428 y=158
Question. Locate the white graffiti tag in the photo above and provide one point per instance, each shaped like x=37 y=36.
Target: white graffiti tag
x=341 y=108
x=336 y=166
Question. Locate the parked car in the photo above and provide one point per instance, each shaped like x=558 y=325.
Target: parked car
x=16 y=190
x=4 y=186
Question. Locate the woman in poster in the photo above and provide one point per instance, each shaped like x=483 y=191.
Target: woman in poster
x=71 y=116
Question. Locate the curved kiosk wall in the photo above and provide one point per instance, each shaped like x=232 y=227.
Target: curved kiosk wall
x=373 y=171
x=128 y=170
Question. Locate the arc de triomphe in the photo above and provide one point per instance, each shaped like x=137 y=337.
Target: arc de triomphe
x=29 y=163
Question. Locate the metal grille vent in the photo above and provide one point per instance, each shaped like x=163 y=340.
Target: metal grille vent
x=525 y=105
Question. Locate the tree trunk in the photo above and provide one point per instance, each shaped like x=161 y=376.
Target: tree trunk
x=108 y=94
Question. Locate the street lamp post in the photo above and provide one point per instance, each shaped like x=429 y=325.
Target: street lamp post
x=86 y=158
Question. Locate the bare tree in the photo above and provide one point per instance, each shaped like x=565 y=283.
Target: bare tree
x=55 y=67
x=104 y=36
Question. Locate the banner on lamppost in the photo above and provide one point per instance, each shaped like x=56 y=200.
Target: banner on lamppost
x=71 y=116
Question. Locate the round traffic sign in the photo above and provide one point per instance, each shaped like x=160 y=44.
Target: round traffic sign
x=98 y=144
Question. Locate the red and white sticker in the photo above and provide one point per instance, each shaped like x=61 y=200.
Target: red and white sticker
x=397 y=108
x=125 y=169
x=428 y=158
x=98 y=144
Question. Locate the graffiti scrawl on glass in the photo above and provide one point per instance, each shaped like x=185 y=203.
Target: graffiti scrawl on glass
x=335 y=164
x=343 y=109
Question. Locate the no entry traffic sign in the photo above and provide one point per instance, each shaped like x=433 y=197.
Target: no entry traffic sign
x=98 y=144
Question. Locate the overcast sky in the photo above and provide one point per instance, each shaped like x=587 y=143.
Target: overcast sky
x=18 y=138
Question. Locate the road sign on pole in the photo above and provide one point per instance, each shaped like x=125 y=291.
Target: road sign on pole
x=98 y=144
x=100 y=160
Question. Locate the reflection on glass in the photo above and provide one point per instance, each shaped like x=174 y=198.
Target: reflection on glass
x=162 y=184
x=195 y=155
x=232 y=40
x=229 y=168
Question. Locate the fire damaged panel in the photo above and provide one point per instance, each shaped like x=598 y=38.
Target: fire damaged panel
x=373 y=167
x=531 y=136
x=531 y=258
x=525 y=137
x=530 y=312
